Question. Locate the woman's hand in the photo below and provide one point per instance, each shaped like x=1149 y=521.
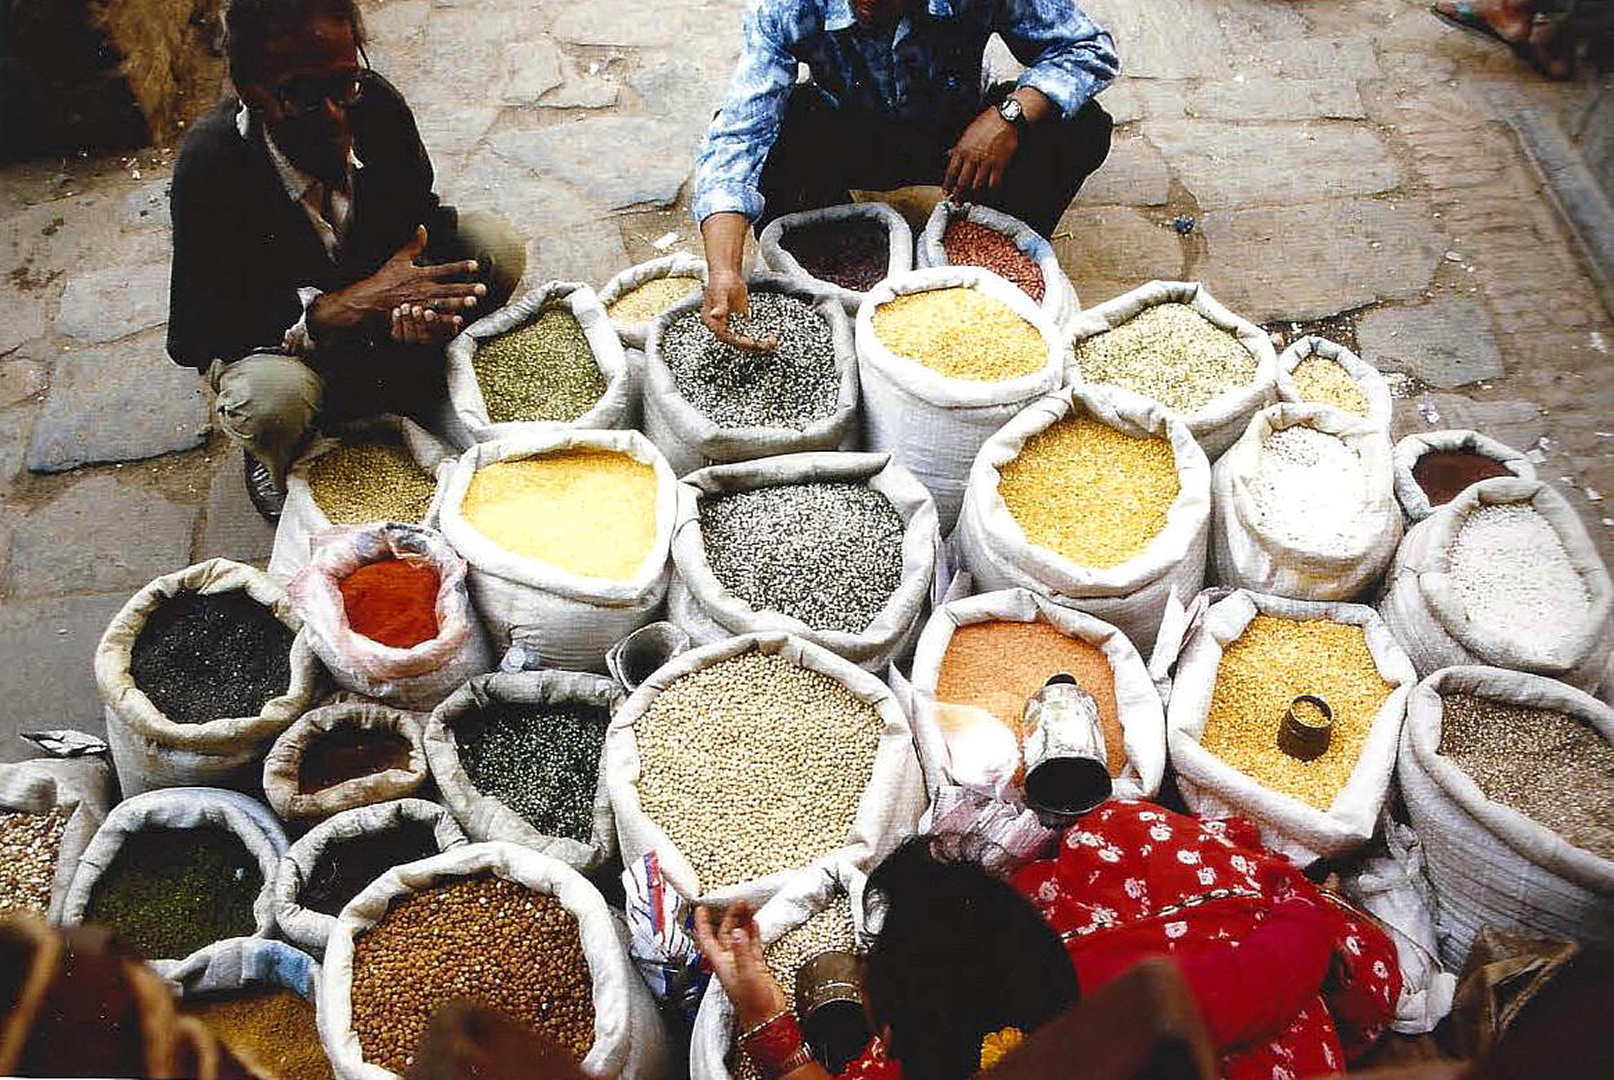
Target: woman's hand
x=733 y=950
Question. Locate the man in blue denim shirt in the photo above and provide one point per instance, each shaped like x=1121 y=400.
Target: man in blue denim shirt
x=897 y=97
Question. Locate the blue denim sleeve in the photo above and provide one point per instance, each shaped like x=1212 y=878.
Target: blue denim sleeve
x=1068 y=57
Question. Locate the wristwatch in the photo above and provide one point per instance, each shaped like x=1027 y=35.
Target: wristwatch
x=1012 y=111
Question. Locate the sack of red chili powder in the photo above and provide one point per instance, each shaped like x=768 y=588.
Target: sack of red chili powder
x=981 y=236
x=387 y=611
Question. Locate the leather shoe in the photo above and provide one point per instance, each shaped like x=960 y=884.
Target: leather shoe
x=268 y=497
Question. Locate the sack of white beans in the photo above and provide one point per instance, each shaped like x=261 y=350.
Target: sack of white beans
x=49 y=811
x=638 y=294
x=1090 y=470
x=1506 y=575
x=745 y=761
x=780 y=251
x=344 y=755
x=1462 y=452
x=1198 y=359
x=1316 y=371
x=839 y=549
x=1304 y=505
x=1051 y=289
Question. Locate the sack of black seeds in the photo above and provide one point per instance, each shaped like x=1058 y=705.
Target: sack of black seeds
x=345 y=755
x=707 y=403
x=517 y=756
x=638 y=294
x=969 y=235
x=334 y=861
x=845 y=250
x=199 y=672
x=839 y=549
x=49 y=810
x=550 y=358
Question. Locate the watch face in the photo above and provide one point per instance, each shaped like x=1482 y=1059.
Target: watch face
x=1011 y=110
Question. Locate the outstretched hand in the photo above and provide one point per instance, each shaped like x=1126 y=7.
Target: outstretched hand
x=726 y=295
x=976 y=165
x=733 y=950
x=413 y=324
x=400 y=285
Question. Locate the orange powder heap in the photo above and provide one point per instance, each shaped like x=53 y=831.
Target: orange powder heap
x=393 y=602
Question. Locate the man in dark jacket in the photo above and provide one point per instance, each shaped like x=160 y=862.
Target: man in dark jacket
x=316 y=276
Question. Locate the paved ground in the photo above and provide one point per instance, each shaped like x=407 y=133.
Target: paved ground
x=1347 y=162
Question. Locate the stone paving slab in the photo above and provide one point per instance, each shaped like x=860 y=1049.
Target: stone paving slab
x=21 y=379
x=1277 y=99
x=48 y=677
x=114 y=302
x=621 y=161
x=1447 y=342
x=1226 y=165
x=1135 y=174
x=233 y=528
x=1109 y=250
x=1519 y=424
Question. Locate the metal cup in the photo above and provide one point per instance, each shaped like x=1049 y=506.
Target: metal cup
x=636 y=657
x=1066 y=765
x=829 y=1001
x=1307 y=727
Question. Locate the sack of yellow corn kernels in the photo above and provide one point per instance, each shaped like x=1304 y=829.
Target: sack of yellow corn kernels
x=1095 y=498
x=971 y=235
x=638 y=294
x=844 y=250
x=1240 y=670
x=1304 y=505
x=1316 y=371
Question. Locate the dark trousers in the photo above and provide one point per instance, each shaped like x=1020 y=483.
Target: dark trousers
x=823 y=151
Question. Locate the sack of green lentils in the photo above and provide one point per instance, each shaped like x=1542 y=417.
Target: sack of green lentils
x=567 y=535
x=1504 y=574
x=1095 y=498
x=743 y=762
x=175 y=870
x=380 y=468
x=549 y=359
x=335 y=860
x=497 y=924
x=946 y=356
x=1433 y=467
x=845 y=250
x=215 y=642
x=261 y=999
x=1304 y=505
x=517 y=756
x=1172 y=341
x=970 y=235
x=1316 y=371
x=837 y=548
x=345 y=755
x=1239 y=669
x=1511 y=805
x=49 y=810
x=706 y=403
x=638 y=294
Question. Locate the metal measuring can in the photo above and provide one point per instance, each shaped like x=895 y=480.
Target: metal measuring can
x=829 y=1001
x=1307 y=728
x=1066 y=764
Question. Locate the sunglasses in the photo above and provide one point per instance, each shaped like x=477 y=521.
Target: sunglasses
x=304 y=97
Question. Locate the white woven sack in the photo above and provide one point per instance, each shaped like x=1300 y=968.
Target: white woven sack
x=417 y=677
x=1219 y=423
x=1249 y=550
x=80 y=787
x=1212 y=788
x=932 y=424
x=888 y=811
x=308 y=929
x=1489 y=864
x=900 y=249
x=486 y=818
x=1059 y=301
x=679 y=264
x=245 y=963
x=569 y=620
x=283 y=763
x=1430 y=620
x=151 y=751
x=182 y=808
x=301 y=520
x=629 y=1043
x=705 y=608
x=691 y=440
x=804 y=896
x=1380 y=409
x=1414 y=503
x=616 y=408
x=1131 y=596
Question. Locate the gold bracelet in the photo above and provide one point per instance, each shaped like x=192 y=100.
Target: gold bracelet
x=749 y=1034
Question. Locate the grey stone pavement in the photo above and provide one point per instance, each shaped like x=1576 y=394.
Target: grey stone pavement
x=1348 y=164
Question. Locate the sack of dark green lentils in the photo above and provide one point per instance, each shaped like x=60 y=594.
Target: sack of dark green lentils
x=153 y=750
x=1213 y=788
x=1049 y=286
x=518 y=756
x=1504 y=574
x=336 y=859
x=345 y=755
x=1304 y=506
x=380 y=468
x=844 y=250
x=709 y=404
x=629 y=1042
x=544 y=382
x=1416 y=503
x=414 y=677
x=934 y=423
x=638 y=294
x=1316 y=371
x=240 y=909
x=1488 y=863
x=49 y=811
x=847 y=541
x=1213 y=382
x=1160 y=544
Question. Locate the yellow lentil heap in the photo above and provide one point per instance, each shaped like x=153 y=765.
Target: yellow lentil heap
x=589 y=512
x=1090 y=493
x=652 y=298
x=1324 y=382
x=1274 y=661
x=364 y=482
x=1171 y=353
x=962 y=333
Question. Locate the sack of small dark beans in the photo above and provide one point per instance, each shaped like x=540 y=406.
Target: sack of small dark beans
x=844 y=250
x=342 y=756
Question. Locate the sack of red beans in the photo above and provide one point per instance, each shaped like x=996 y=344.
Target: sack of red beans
x=980 y=236
x=844 y=250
